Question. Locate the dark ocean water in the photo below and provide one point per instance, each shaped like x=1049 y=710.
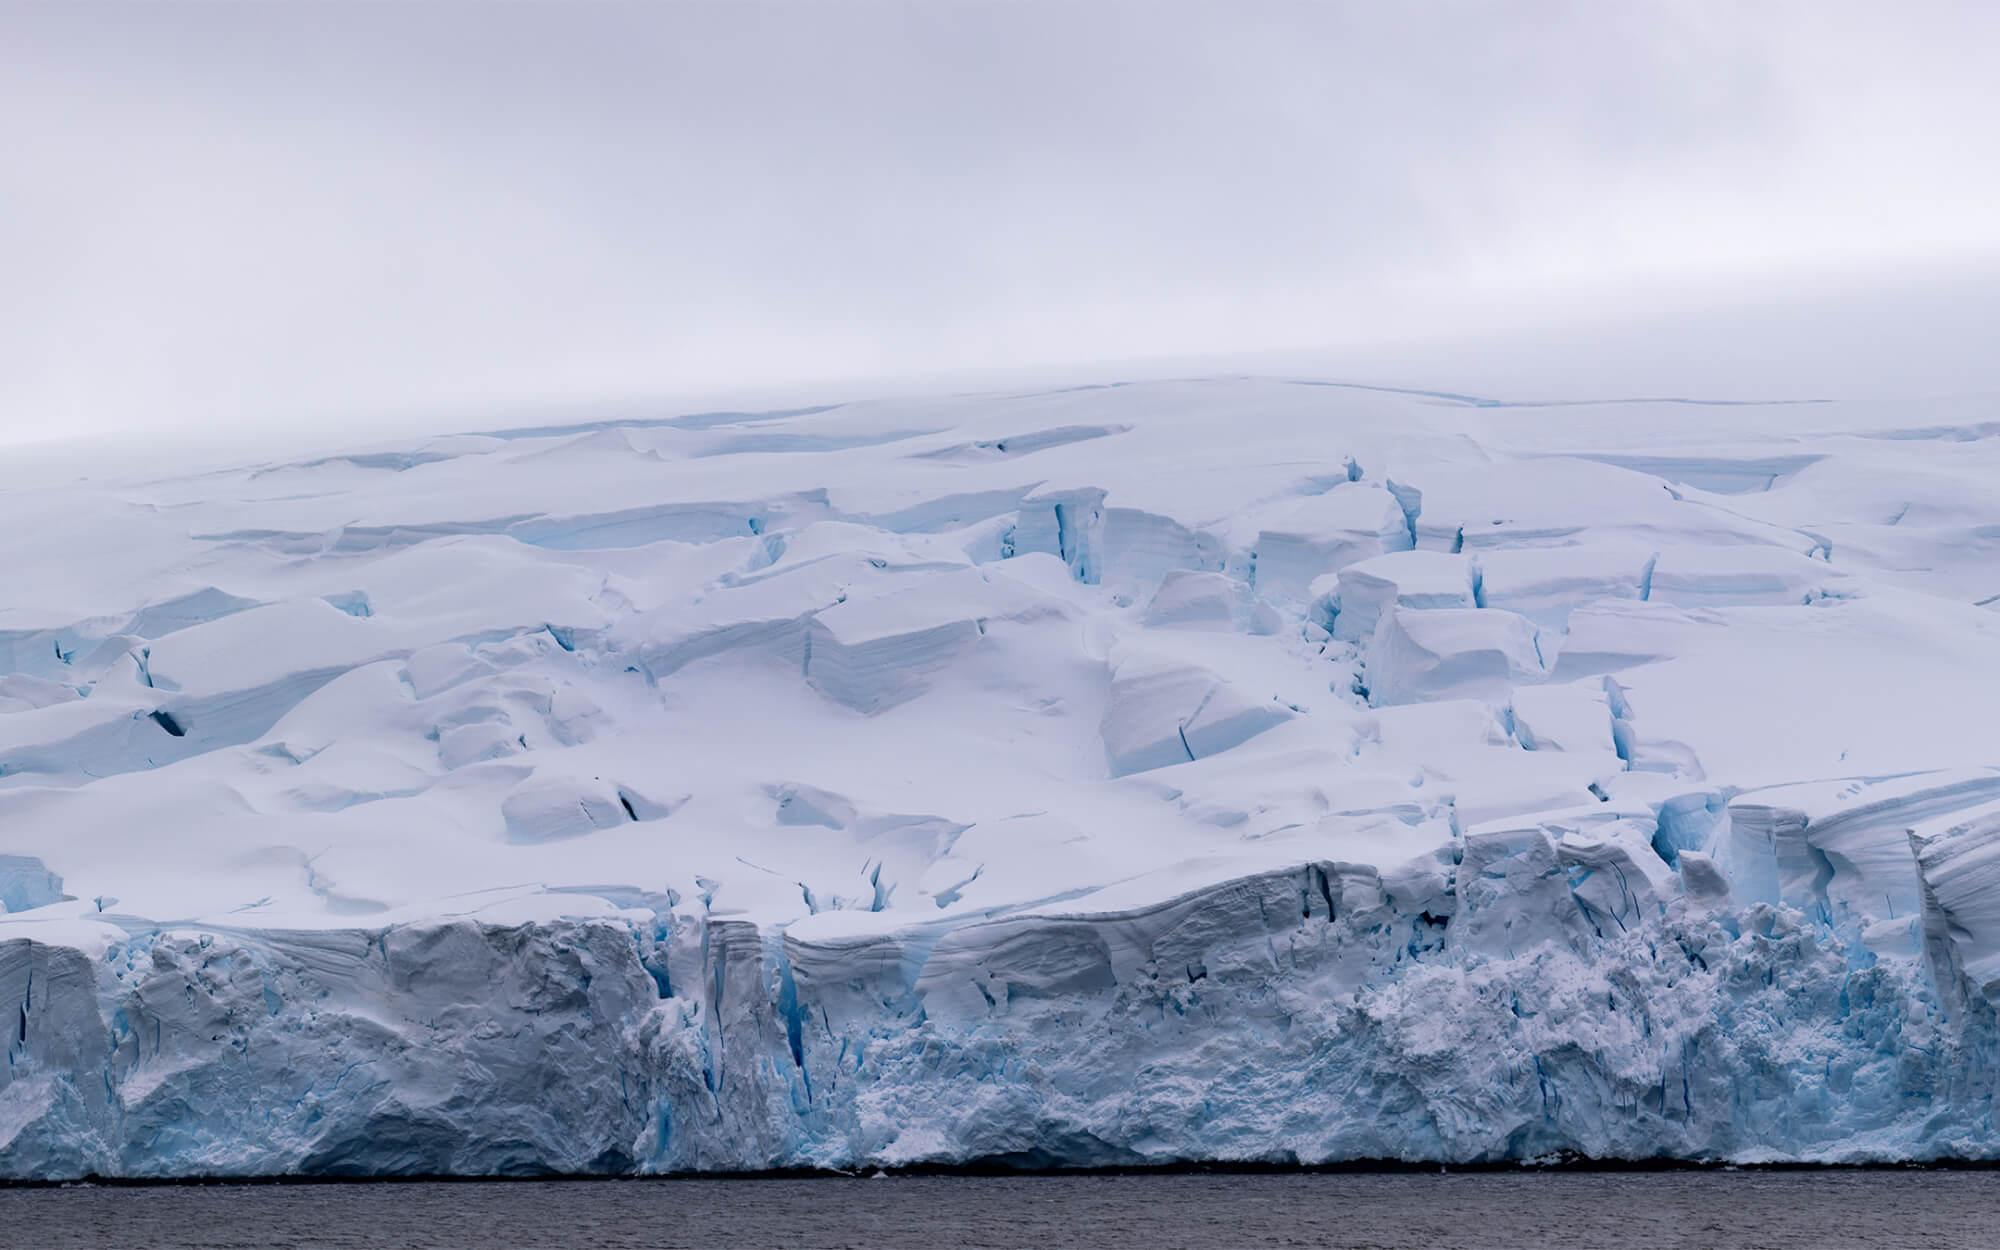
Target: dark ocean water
x=1827 y=1210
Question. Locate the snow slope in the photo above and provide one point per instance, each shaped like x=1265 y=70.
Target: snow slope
x=1220 y=769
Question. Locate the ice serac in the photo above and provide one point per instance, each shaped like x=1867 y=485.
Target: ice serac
x=1163 y=711
x=1545 y=583
x=1577 y=718
x=25 y=884
x=1325 y=533
x=1449 y=653
x=1226 y=769
x=1363 y=591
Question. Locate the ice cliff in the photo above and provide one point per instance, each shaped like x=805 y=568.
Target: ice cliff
x=1230 y=769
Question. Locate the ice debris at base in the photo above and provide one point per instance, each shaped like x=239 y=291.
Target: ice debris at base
x=1233 y=769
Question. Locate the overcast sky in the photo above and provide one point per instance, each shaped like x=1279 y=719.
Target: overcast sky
x=275 y=213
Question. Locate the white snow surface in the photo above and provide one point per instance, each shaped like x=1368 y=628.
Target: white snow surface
x=1236 y=768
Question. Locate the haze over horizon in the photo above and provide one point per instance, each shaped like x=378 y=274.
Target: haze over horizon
x=223 y=218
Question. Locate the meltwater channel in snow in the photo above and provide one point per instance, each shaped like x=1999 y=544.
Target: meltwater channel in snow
x=1234 y=769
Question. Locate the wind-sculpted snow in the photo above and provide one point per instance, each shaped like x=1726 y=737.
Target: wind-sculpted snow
x=1225 y=769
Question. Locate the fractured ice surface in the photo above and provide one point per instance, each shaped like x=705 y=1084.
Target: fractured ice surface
x=1231 y=769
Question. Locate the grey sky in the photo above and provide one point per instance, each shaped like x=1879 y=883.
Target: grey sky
x=214 y=215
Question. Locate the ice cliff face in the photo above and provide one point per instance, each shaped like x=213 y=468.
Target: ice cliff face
x=1209 y=770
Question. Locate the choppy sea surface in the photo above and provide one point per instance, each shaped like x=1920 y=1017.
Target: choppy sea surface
x=1712 y=1210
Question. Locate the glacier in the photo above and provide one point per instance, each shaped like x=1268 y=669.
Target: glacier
x=1224 y=769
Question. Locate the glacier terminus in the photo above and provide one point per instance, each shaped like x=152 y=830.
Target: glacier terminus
x=1239 y=768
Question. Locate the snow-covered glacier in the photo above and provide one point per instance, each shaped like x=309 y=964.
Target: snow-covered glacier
x=1225 y=769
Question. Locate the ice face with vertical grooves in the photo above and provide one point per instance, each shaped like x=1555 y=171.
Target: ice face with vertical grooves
x=1225 y=769
x=1958 y=862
